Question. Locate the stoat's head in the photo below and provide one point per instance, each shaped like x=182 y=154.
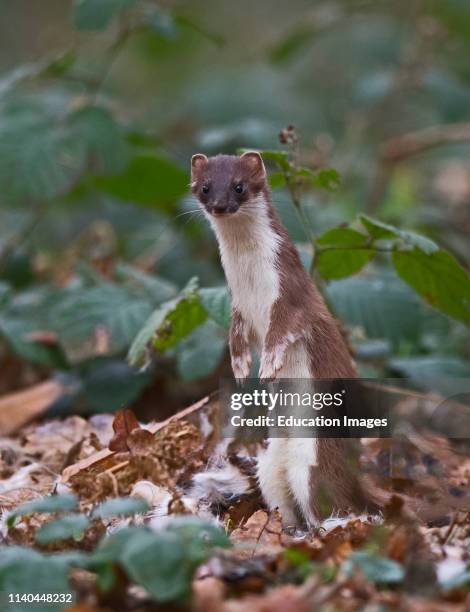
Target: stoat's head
x=225 y=183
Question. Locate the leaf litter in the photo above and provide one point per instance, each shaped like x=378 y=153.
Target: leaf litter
x=416 y=555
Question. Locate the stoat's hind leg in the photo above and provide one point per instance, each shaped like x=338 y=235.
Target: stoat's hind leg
x=272 y=478
x=301 y=459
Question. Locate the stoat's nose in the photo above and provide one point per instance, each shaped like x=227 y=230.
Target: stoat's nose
x=219 y=209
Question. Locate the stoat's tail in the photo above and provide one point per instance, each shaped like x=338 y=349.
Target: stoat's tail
x=336 y=484
x=224 y=482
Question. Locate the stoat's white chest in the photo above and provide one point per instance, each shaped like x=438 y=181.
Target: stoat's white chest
x=254 y=284
x=249 y=252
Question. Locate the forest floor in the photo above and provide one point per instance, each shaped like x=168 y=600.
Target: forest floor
x=416 y=556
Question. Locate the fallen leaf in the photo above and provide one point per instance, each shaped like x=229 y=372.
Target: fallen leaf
x=124 y=423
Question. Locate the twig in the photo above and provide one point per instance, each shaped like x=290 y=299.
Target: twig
x=112 y=55
x=407 y=145
x=261 y=531
x=400 y=148
x=451 y=529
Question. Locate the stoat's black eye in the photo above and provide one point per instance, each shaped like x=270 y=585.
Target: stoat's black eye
x=205 y=189
x=238 y=188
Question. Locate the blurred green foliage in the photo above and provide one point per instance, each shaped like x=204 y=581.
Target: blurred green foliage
x=163 y=562
x=102 y=103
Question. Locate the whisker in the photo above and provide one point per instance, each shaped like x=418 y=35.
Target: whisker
x=194 y=213
x=186 y=212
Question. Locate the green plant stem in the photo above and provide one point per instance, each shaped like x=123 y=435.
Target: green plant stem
x=305 y=222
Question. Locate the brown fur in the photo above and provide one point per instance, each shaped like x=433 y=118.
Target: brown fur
x=301 y=307
x=300 y=312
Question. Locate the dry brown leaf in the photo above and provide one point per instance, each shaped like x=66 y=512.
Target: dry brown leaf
x=123 y=424
x=17 y=409
x=104 y=460
x=263 y=530
x=286 y=598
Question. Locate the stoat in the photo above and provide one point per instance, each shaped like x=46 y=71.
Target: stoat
x=277 y=309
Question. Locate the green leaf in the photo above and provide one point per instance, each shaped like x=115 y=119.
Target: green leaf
x=51 y=503
x=438 y=278
x=200 y=353
x=339 y=237
x=281 y=158
x=339 y=264
x=106 y=576
x=97 y=14
x=381 y=305
x=157 y=562
x=97 y=135
x=435 y=373
x=156 y=288
x=37 y=159
x=277 y=180
x=291 y=45
x=198 y=536
x=215 y=38
x=376 y=568
x=328 y=179
x=342 y=252
x=172 y=321
x=76 y=314
x=59 y=65
x=216 y=300
x=70 y=526
x=109 y=384
x=120 y=506
x=379 y=230
x=149 y=180
x=111 y=547
x=45 y=149
x=23 y=315
x=24 y=570
x=164 y=562
x=16 y=331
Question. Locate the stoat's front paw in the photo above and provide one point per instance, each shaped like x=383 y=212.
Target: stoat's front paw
x=241 y=366
x=271 y=363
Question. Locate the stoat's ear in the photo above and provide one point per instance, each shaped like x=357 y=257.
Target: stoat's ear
x=253 y=161
x=198 y=162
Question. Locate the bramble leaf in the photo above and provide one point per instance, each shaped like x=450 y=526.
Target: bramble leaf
x=341 y=252
x=50 y=503
x=149 y=180
x=376 y=568
x=438 y=278
x=379 y=230
x=169 y=323
x=70 y=526
x=216 y=300
x=120 y=506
